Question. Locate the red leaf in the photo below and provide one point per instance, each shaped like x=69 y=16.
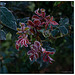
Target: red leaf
x=50 y=59
x=48 y=17
x=25 y=43
x=32 y=30
x=37 y=12
x=43 y=50
x=54 y=23
x=31 y=57
x=35 y=17
x=30 y=52
x=42 y=10
x=45 y=58
x=51 y=27
x=46 y=26
x=19 y=36
x=19 y=40
x=48 y=52
x=39 y=28
x=36 y=56
x=37 y=22
x=51 y=18
x=37 y=43
x=43 y=14
x=22 y=43
x=30 y=23
x=22 y=24
x=17 y=46
x=42 y=23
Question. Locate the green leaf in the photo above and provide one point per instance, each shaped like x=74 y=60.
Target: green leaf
x=41 y=36
x=8 y=36
x=47 y=46
x=2 y=4
x=31 y=62
x=56 y=3
x=46 y=33
x=7 y=18
x=54 y=32
x=6 y=30
x=42 y=30
x=64 y=21
x=14 y=35
x=63 y=29
x=2 y=35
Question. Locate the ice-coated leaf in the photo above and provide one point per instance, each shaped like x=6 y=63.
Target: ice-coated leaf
x=54 y=32
x=7 y=18
x=42 y=30
x=2 y=4
x=64 y=21
x=13 y=32
x=2 y=35
x=47 y=46
x=31 y=62
x=6 y=29
x=46 y=33
x=63 y=29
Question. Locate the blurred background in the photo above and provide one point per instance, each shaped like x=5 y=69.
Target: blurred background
x=13 y=62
